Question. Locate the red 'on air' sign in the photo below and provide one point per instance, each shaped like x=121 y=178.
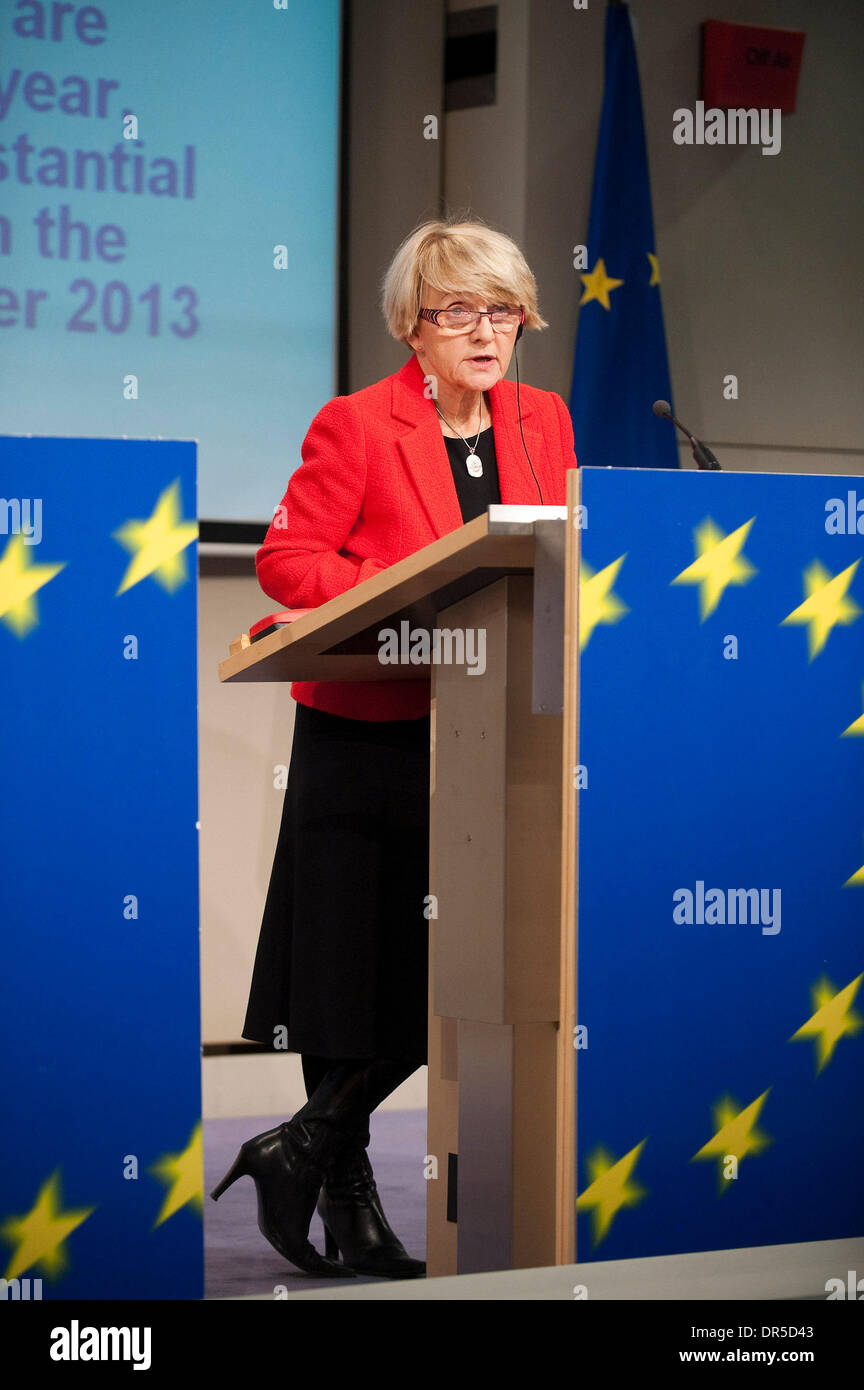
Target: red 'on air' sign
x=748 y=65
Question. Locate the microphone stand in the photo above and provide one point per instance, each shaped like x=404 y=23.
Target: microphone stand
x=701 y=453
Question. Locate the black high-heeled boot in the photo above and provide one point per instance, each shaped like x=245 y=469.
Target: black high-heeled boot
x=288 y=1165
x=354 y=1221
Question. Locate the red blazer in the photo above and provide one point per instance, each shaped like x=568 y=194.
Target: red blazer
x=374 y=486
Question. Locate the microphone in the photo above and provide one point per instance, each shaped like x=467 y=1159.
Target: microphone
x=701 y=453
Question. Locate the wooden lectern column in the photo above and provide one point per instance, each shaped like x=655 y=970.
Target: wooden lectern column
x=495 y=877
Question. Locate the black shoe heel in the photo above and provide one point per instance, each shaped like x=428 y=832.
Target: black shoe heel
x=238 y=1169
x=287 y=1167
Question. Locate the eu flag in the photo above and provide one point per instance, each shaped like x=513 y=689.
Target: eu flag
x=620 y=365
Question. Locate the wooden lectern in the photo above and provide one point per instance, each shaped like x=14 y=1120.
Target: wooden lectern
x=501 y=1113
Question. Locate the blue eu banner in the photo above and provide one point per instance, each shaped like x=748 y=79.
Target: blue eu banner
x=100 y=1088
x=620 y=366
x=721 y=862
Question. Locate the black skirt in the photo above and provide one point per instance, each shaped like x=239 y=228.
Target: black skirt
x=342 y=963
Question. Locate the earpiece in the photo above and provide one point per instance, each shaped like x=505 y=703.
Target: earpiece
x=519 y=411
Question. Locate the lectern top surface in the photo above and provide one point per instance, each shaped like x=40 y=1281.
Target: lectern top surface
x=507 y=516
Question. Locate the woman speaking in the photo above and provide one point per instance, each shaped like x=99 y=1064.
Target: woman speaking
x=340 y=972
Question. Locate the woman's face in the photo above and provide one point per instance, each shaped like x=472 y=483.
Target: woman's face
x=465 y=361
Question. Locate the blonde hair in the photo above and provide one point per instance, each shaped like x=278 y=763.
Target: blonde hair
x=456 y=256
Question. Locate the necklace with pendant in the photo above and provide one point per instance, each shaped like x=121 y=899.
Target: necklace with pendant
x=473 y=462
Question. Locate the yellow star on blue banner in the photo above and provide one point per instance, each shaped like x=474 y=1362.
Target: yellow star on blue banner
x=827 y=604
x=183 y=1175
x=597 y=602
x=856 y=728
x=20 y=580
x=857 y=879
x=833 y=1018
x=719 y=563
x=611 y=1189
x=40 y=1236
x=736 y=1134
x=157 y=544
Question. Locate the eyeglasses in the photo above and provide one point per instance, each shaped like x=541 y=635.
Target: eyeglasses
x=460 y=320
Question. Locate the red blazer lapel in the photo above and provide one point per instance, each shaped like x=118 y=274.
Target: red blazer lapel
x=425 y=454
x=423 y=449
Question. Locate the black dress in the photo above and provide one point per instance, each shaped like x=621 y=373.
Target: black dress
x=341 y=968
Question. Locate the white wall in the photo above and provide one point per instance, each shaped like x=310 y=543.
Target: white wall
x=244 y=732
